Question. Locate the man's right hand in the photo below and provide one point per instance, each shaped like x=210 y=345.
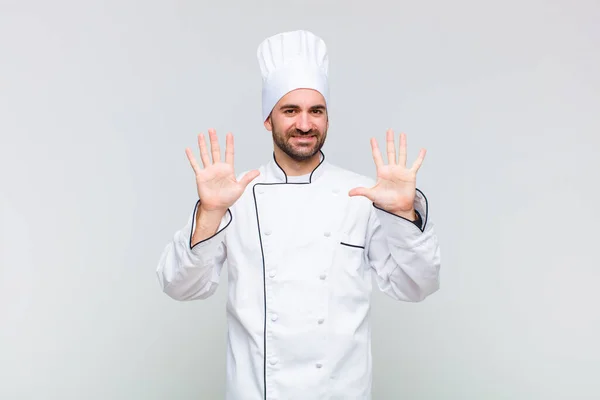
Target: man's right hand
x=218 y=187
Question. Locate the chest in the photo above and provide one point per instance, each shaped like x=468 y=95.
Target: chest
x=293 y=217
x=302 y=247
x=300 y=229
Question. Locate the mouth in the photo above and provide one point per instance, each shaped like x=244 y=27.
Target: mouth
x=304 y=139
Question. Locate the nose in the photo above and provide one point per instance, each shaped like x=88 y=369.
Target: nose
x=303 y=122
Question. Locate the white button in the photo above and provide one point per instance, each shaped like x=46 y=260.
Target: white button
x=327 y=234
x=274 y=317
x=336 y=191
x=273 y=361
x=321 y=320
x=272 y=273
x=323 y=276
x=267 y=232
x=260 y=190
x=319 y=365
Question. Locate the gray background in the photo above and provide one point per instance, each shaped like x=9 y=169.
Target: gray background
x=98 y=101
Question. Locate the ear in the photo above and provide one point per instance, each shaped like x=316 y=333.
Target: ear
x=268 y=124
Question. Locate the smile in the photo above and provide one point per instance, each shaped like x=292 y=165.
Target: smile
x=303 y=138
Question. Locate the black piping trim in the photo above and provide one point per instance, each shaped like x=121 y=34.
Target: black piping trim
x=321 y=162
x=282 y=171
x=264 y=295
x=262 y=252
x=426 y=209
x=421 y=228
x=311 y=174
x=352 y=245
x=194 y=223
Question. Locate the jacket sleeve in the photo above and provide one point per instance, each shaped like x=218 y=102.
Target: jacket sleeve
x=404 y=257
x=187 y=272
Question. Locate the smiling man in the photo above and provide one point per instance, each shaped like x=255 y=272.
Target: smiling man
x=303 y=240
x=299 y=128
x=300 y=135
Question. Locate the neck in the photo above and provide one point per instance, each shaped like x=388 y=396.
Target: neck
x=293 y=167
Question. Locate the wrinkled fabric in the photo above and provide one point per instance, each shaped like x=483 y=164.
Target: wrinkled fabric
x=301 y=259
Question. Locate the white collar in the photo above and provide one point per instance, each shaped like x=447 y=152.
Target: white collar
x=276 y=174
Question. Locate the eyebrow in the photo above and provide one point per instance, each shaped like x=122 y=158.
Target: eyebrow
x=317 y=107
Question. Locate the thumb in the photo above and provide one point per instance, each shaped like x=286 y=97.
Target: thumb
x=248 y=177
x=361 y=191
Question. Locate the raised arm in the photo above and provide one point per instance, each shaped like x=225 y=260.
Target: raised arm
x=190 y=265
x=402 y=246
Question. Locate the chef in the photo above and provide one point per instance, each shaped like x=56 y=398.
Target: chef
x=303 y=241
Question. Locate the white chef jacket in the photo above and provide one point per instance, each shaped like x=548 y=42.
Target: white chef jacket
x=300 y=259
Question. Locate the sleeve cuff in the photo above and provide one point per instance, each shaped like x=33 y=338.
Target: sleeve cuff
x=215 y=239
x=402 y=230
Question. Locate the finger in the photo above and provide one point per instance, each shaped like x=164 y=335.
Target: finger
x=192 y=161
x=419 y=161
x=402 y=150
x=376 y=153
x=248 y=177
x=229 y=149
x=362 y=191
x=214 y=146
x=391 y=147
x=203 y=150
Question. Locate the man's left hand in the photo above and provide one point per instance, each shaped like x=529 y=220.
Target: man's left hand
x=396 y=185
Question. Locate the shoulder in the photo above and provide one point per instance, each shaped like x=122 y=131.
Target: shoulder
x=347 y=176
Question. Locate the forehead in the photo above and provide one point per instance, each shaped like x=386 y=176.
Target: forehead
x=303 y=98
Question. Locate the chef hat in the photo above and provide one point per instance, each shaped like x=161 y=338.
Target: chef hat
x=292 y=60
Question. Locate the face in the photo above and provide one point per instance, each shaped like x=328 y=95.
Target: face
x=299 y=123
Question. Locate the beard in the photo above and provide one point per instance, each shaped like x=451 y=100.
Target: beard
x=298 y=152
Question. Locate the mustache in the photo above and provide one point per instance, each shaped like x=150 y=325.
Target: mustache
x=297 y=132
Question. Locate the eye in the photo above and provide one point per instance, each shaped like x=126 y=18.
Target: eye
x=318 y=111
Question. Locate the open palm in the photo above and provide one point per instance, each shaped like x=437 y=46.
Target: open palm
x=217 y=184
x=396 y=184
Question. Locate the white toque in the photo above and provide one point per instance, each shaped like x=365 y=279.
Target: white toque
x=292 y=60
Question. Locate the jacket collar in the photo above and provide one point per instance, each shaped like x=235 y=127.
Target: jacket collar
x=276 y=174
